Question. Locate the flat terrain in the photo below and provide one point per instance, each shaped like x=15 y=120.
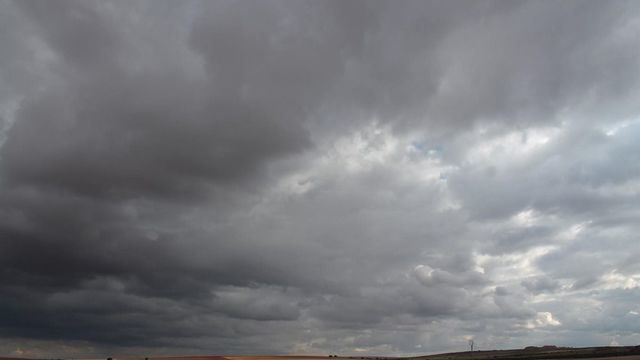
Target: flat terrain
x=543 y=353
x=534 y=353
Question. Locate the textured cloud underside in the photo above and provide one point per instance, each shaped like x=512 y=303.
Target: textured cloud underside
x=317 y=176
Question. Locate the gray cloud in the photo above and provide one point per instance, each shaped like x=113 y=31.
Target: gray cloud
x=539 y=285
x=313 y=177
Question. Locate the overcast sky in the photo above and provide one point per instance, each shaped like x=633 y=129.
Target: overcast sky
x=253 y=177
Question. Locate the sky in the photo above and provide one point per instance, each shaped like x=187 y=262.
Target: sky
x=318 y=177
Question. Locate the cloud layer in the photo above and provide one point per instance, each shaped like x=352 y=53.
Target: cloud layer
x=317 y=177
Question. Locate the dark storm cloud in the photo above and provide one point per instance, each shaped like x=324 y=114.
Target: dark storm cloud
x=306 y=176
x=110 y=130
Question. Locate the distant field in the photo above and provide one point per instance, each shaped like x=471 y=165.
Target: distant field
x=543 y=353
x=627 y=357
x=529 y=353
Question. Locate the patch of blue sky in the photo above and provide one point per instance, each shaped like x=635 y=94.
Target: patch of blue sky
x=424 y=148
